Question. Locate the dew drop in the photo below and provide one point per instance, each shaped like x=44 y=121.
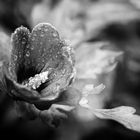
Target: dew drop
x=15 y=57
x=27 y=46
x=27 y=53
x=33 y=39
x=19 y=55
x=39 y=28
x=32 y=47
x=45 y=29
x=63 y=71
x=54 y=35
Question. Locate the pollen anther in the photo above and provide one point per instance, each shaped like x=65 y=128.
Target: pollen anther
x=37 y=80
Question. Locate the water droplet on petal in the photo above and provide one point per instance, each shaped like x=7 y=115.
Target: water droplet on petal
x=28 y=54
x=27 y=46
x=54 y=35
x=32 y=47
x=39 y=28
x=15 y=57
x=19 y=55
x=63 y=71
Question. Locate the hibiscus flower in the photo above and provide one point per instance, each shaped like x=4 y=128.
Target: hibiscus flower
x=40 y=70
x=40 y=78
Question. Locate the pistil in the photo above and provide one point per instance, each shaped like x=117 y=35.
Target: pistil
x=37 y=80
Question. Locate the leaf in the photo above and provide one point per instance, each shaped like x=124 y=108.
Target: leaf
x=123 y=114
x=90 y=90
x=92 y=61
x=84 y=102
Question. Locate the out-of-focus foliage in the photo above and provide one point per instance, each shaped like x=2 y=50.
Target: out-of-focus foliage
x=5 y=47
x=92 y=60
x=124 y=115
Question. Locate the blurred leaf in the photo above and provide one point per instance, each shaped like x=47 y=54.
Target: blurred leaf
x=92 y=61
x=5 y=47
x=123 y=114
x=90 y=90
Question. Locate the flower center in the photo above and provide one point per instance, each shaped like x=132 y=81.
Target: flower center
x=41 y=60
x=36 y=81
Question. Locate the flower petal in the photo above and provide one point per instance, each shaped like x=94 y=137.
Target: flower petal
x=45 y=46
x=23 y=93
x=31 y=51
x=50 y=53
x=39 y=51
x=26 y=110
x=54 y=115
x=20 y=63
x=62 y=73
x=70 y=97
x=60 y=79
x=20 y=92
x=123 y=114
